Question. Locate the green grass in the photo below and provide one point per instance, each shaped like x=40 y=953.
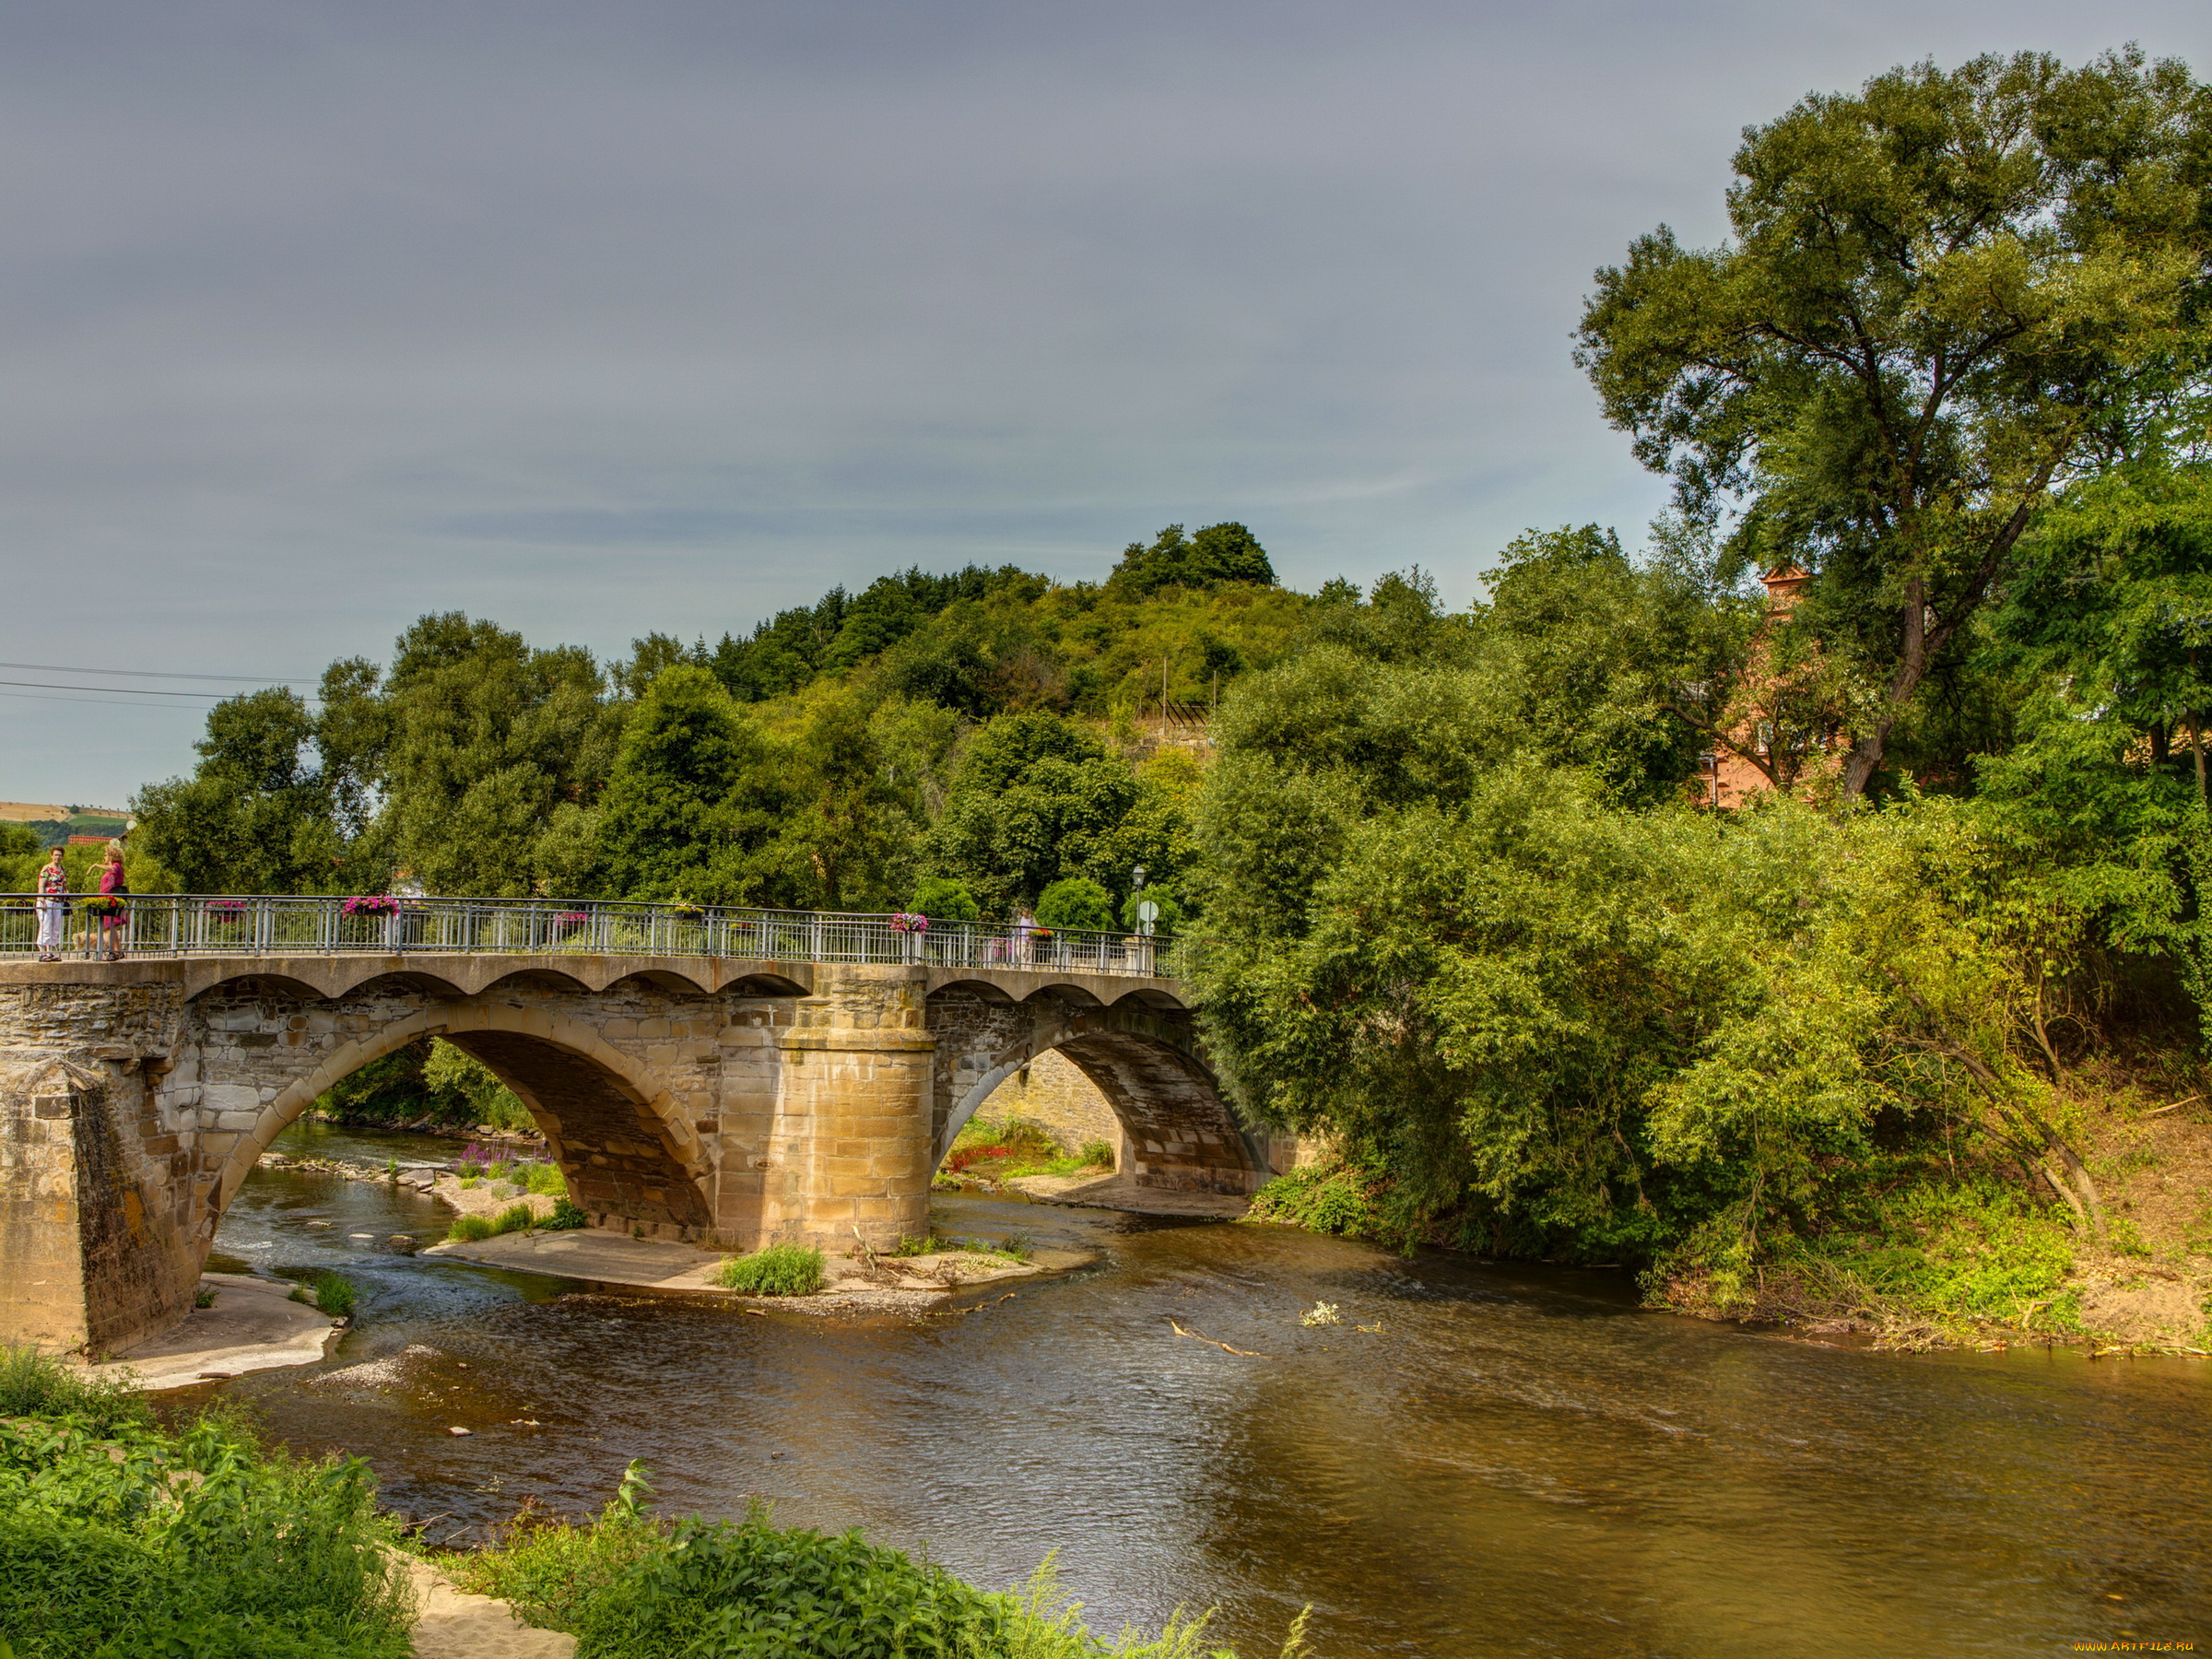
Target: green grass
x=567 y=1216
x=1015 y=1247
x=1976 y=1249
x=517 y=1217
x=333 y=1293
x=779 y=1270
x=123 y=1539
x=545 y=1178
x=31 y=1385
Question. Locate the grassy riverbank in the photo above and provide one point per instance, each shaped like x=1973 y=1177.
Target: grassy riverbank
x=125 y=1537
x=1933 y=1250
x=631 y=1585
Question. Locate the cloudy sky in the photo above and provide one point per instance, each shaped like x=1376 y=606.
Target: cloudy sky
x=599 y=317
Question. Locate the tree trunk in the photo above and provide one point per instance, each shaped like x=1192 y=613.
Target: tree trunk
x=1913 y=663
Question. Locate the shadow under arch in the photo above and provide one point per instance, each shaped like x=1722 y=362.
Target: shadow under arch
x=622 y=1143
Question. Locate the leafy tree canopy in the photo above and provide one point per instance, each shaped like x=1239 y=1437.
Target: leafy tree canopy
x=1948 y=295
x=1217 y=553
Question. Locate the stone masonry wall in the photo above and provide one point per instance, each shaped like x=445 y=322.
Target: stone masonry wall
x=95 y=1229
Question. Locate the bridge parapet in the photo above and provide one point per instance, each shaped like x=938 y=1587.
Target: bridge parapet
x=196 y=924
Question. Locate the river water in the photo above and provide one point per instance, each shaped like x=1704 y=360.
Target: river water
x=1508 y=1461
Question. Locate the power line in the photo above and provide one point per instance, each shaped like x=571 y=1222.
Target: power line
x=251 y=679
x=97 y=702
x=117 y=690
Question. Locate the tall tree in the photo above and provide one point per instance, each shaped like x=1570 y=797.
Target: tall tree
x=685 y=812
x=1947 y=296
x=1034 y=798
x=256 y=816
x=488 y=738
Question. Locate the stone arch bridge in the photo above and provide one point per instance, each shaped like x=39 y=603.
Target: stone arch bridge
x=716 y=1100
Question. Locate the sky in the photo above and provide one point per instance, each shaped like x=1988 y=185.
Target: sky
x=597 y=319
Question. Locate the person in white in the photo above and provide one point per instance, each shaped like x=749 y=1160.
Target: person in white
x=405 y=888
x=53 y=907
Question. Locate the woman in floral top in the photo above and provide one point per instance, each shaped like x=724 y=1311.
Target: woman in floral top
x=53 y=907
x=115 y=923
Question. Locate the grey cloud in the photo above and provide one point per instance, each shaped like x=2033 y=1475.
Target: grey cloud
x=603 y=318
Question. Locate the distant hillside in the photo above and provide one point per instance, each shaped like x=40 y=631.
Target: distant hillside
x=989 y=728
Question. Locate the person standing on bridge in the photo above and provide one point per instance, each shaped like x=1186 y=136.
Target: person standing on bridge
x=406 y=889
x=115 y=918
x=1025 y=930
x=53 y=907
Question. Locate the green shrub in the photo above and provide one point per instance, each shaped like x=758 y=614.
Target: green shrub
x=943 y=900
x=467 y=1229
x=631 y=1586
x=779 y=1270
x=1324 y=1198
x=566 y=1216
x=1975 y=1251
x=1075 y=901
x=545 y=1179
x=515 y=1218
x=33 y=1385
x=1096 y=1155
x=121 y=1539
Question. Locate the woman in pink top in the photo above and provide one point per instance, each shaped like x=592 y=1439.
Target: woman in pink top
x=116 y=924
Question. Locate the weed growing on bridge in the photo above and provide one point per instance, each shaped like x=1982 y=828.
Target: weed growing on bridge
x=779 y=1270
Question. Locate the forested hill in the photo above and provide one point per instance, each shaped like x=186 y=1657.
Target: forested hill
x=988 y=728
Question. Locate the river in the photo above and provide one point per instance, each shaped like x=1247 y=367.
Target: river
x=1507 y=1460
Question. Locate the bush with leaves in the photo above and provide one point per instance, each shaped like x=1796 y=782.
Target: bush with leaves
x=121 y=1539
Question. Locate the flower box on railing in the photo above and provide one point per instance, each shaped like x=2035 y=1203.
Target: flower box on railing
x=687 y=913
x=371 y=904
x=105 y=907
x=906 y=922
x=225 y=910
x=573 y=918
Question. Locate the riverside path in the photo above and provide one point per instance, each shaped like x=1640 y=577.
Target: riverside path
x=727 y=1077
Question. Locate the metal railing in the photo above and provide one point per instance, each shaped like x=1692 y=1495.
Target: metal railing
x=178 y=924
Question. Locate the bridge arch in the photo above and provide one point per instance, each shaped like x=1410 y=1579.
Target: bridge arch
x=1144 y=1058
x=622 y=1140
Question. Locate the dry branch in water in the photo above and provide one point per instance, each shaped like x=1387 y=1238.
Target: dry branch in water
x=1224 y=1347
